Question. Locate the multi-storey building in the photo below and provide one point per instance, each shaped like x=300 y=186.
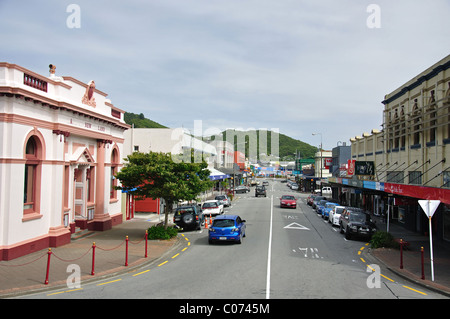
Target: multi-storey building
x=409 y=159
x=60 y=146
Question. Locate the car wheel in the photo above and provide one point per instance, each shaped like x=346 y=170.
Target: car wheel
x=347 y=234
x=239 y=241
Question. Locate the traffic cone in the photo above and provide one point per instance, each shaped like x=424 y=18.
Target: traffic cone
x=206 y=223
x=210 y=219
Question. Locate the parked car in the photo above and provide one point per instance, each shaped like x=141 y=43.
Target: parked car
x=227 y=227
x=310 y=199
x=224 y=200
x=334 y=215
x=265 y=183
x=288 y=201
x=260 y=191
x=316 y=200
x=212 y=207
x=326 y=210
x=188 y=217
x=321 y=206
x=324 y=191
x=356 y=222
x=294 y=186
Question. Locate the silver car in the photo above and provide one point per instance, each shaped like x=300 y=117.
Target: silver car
x=224 y=200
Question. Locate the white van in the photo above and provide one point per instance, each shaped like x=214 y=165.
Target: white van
x=326 y=191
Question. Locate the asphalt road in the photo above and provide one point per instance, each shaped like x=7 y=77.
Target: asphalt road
x=287 y=254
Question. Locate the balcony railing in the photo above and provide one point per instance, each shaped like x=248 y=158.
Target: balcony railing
x=34 y=82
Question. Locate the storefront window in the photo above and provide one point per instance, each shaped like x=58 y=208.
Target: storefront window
x=446 y=222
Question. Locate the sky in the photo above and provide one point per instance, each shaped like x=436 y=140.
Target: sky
x=297 y=66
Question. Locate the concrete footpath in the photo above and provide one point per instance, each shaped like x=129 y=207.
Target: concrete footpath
x=28 y=273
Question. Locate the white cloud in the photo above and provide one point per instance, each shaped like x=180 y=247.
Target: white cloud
x=301 y=66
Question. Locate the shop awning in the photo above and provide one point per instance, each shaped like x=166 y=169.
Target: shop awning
x=216 y=175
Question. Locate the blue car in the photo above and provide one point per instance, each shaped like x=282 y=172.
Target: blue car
x=327 y=208
x=227 y=228
x=321 y=206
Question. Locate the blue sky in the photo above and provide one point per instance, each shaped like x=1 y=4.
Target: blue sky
x=299 y=66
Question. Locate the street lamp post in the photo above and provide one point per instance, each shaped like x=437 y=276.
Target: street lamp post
x=314 y=134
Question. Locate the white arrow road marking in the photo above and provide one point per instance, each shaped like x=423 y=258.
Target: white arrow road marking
x=296 y=226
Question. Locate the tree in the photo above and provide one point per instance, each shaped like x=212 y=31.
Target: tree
x=157 y=175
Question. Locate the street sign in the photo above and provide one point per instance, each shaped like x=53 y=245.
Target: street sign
x=429 y=206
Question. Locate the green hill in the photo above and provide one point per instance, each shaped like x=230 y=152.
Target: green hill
x=287 y=145
x=140 y=121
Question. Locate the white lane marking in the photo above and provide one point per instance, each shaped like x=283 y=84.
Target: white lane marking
x=269 y=252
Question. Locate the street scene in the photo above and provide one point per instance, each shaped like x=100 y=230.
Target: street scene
x=224 y=157
x=308 y=259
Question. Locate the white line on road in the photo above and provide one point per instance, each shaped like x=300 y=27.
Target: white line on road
x=269 y=253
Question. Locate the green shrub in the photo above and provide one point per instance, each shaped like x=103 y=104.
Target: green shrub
x=383 y=239
x=158 y=232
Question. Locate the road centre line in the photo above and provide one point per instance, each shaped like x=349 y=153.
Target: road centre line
x=269 y=251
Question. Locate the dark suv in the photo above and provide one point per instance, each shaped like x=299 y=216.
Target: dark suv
x=355 y=221
x=189 y=217
x=260 y=191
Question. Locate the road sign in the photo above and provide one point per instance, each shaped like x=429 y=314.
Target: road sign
x=296 y=226
x=429 y=206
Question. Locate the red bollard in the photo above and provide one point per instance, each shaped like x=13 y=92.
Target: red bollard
x=93 y=259
x=48 y=265
x=126 y=251
x=401 y=254
x=423 y=267
x=146 y=243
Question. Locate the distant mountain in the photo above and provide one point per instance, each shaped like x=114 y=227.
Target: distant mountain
x=140 y=121
x=287 y=145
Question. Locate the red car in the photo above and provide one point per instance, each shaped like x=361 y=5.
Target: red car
x=288 y=201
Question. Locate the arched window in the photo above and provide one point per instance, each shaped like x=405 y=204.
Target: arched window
x=114 y=167
x=32 y=176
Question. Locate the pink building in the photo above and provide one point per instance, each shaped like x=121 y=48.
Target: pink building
x=61 y=143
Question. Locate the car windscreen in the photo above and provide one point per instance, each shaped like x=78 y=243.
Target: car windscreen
x=210 y=205
x=358 y=217
x=288 y=197
x=220 y=197
x=223 y=223
x=182 y=211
